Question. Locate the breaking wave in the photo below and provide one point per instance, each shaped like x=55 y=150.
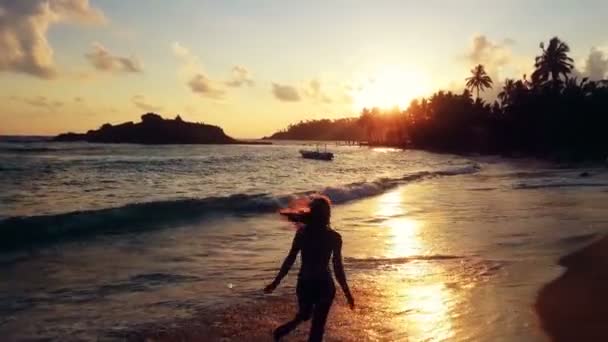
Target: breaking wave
x=564 y=184
x=22 y=231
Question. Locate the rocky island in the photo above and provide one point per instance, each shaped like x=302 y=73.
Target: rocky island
x=153 y=129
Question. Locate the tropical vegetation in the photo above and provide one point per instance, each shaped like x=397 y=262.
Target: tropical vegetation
x=552 y=114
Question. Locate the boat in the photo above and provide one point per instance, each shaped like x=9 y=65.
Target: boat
x=317 y=154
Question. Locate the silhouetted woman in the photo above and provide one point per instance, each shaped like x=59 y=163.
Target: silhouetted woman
x=317 y=242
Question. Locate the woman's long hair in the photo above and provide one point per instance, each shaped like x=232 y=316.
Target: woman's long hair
x=320 y=212
x=313 y=212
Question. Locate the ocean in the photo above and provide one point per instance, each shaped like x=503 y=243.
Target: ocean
x=100 y=240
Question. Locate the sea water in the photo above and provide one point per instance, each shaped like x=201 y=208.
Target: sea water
x=99 y=239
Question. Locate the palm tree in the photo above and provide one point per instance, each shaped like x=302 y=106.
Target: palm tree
x=554 y=61
x=479 y=79
x=366 y=120
x=506 y=94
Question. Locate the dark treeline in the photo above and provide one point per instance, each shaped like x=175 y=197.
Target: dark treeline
x=324 y=129
x=550 y=114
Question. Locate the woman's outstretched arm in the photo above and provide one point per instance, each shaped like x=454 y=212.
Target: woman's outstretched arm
x=339 y=272
x=287 y=263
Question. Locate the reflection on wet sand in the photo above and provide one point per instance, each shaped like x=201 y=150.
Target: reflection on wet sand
x=416 y=292
x=405 y=290
x=403 y=232
x=422 y=305
x=405 y=240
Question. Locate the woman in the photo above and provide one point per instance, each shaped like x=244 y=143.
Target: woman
x=317 y=242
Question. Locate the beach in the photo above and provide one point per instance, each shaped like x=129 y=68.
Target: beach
x=409 y=295
x=436 y=247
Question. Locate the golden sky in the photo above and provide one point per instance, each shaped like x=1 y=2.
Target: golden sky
x=253 y=67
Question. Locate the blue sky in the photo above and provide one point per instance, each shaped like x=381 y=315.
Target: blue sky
x=231 y=62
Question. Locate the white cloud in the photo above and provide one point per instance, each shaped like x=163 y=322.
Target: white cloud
x=24 y=47
x=202 y=85
x=180 y=51
x=499 y=61
x=596 y=64
x=200 y=82
x=190 y=63
x=240 y=76
x=285 y=93
x=491 y=54
x=313 y=91
x=104 y=60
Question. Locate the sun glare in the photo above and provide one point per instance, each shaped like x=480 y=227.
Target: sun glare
x=390 y=86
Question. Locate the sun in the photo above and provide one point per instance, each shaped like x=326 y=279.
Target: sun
x=390 y=86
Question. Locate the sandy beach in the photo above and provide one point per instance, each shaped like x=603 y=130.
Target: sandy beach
x=570 y=307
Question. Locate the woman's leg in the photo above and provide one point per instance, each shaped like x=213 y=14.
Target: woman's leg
x=304 y=311
x=321 y=310
x=286 y=328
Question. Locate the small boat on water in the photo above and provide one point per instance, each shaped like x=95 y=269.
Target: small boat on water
x=317 y=154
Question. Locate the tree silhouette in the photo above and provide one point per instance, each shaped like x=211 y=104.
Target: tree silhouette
x=479 y=79
x=554 y=61
x=506 y=94
x=546 y=116
x=367 y=122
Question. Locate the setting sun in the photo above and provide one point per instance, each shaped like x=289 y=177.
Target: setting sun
x=391 y=86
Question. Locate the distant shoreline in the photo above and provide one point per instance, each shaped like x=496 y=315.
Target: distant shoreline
x=49 y=138
x=155 y=130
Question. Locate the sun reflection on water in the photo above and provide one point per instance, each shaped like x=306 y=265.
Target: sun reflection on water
x=403 y=231
x=405 y=241
x=416 y=290
x=385 y=149
x=422 y=305
x=390 y=205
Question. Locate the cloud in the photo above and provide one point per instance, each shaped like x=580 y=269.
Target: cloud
x=143 y=103
x=103 y=60
x=78 y=10
x=596 y=65
x=190 y=63
x=285 y=93
x=240 y=76
x=492 y=55
x=499 y=61
x=24 y=47
x=313 y=91
x=199 y=81
x=180 y=51
x=508 y=41
x=202 y=85
x=39 y=102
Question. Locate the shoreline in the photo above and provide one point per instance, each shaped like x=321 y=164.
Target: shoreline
x=423 y=264
x=255 y=316
x=509 y=155
x=570 y=307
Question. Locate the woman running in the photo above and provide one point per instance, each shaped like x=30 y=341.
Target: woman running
x=317 y=243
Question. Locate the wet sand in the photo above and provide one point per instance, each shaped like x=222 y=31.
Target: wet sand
x=574 y=307
x=255 y=320
x=444 y=259
x=415 y=300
